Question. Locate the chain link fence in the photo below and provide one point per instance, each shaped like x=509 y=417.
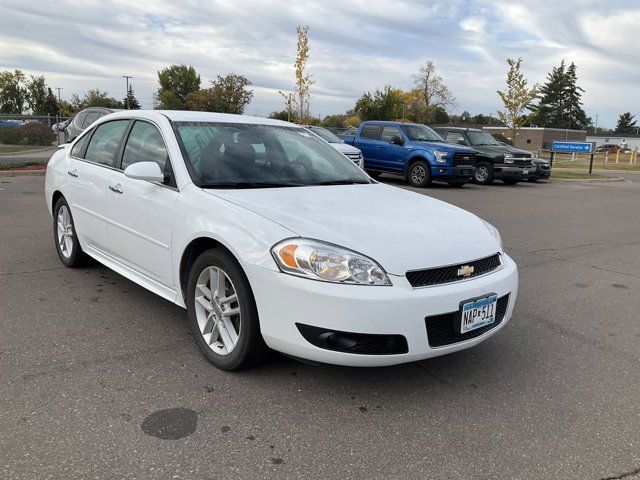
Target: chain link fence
x=26 y=132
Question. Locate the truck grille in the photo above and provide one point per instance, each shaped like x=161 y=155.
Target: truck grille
x=449 y=274
x=463 y=158
x=445 y=329
x=354 y=157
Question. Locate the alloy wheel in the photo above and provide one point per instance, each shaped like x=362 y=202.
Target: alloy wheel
x=65 y=232
x=418 y=174
x=217 y=310
x=482 y=173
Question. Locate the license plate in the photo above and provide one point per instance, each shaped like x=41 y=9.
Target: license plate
x=478 y=313
x=525 y=171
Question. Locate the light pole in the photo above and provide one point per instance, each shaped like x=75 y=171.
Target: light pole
x=58 y=117
x=126 y=77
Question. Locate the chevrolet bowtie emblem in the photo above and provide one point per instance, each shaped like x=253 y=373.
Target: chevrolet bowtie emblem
x=466 y=270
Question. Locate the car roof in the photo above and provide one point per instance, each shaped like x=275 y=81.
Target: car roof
x=188 y=116
x=458 y=129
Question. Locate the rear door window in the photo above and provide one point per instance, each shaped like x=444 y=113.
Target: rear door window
x=105 y=142
x=388 y=132
x=455 y=137
x=78 y=147
x=370 y=132
x=91 y=117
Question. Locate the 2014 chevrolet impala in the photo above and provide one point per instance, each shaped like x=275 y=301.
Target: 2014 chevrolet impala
x=273 y=240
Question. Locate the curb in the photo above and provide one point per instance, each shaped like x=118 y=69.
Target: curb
x=24 y=152
x=20 y=173
x=603 y=180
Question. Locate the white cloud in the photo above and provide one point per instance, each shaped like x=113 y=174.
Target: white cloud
x=355 y=46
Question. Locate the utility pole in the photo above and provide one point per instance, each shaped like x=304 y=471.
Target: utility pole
x=58 y=117
x=126 y=77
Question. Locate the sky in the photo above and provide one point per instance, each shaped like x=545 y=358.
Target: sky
x=355 y=46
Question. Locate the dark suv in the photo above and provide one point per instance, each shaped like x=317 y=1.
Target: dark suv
x=494 y=160
x=83 y=119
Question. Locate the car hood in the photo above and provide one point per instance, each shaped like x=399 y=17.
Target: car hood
x=344 y=148
x=401 y=230
x=447 y=147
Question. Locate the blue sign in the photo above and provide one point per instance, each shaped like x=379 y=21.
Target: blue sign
x=572 y=147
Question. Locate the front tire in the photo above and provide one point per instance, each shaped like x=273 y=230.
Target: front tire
x=64 y=233
x=419 y=174
x=483 y=174
x=223 y=313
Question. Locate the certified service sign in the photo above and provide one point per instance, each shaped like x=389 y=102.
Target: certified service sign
x=572 y=147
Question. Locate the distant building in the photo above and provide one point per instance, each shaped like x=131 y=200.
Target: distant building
x=535 y=138
x=629 y=140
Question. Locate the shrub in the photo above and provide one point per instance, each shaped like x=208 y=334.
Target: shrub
x=37 y=134
x=10 y=135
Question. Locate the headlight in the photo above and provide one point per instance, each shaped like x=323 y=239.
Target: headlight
x=327 y=262
x=441 y=156
x=494 y=231
x=508 y=158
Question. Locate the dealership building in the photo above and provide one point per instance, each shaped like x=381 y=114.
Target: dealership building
x=536 y=138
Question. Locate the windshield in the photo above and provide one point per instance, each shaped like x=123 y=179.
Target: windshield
x=236 y=155
x=481 y=138
x=421 y=133
x=325 y=134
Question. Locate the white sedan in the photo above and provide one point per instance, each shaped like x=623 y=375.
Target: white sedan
x=273 y=240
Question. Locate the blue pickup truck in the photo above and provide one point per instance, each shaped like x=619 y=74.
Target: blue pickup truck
x=412 y=150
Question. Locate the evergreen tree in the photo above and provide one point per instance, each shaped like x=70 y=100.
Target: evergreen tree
x=50 y=103
x=576 y=118
x=626 y=123
x=133 y=103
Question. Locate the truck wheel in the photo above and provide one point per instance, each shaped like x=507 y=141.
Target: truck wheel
x=373 y=174
x=419 y=174
x=510 y=181
x=484 y=174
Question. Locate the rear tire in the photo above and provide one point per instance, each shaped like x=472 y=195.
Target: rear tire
x=419 y=174
x=483 y=174
x=64 y=234
x=223 y=313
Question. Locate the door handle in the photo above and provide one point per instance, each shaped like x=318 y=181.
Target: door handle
x=73 y=173
x=116 y=188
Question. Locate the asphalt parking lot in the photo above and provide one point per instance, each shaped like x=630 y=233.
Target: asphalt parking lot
x=94 y=369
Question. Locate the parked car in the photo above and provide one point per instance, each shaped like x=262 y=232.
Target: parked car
x=494 y=160
x=540 y=170
x=272 y=239
x=412 y=150
x=349 y=151
x=61 y=126
x=608 y=147
x=10 y=123
x=84 y=118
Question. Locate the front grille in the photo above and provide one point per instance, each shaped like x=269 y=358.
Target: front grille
x=349 y=342
x=521 y=155
x=353 y=156
x=445 y=329
x=448 y=274
x=463 y=158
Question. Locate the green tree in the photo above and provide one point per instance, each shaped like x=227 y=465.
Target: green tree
x=626 y=123
x=336 y=121
x=385 y=104
x=37 y=95
x=440 y=116
x=176 y=82
x=228 y=94
x=560 y=104
x=50 y=104
x=130 y=101
x=281 y=115
x=94 y=98
x=13 y=93
x=516 y=98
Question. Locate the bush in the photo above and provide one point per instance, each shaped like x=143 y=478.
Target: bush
x=37 y=134
x=10 y=135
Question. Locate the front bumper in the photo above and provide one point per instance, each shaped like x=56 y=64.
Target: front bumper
x=539 y=173
x=284 y=300
x=446 y=173
x=502 y=171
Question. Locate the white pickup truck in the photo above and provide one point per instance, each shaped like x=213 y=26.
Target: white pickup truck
x=352 y=153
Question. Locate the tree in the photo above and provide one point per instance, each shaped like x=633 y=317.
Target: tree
x=434 y=92
x=13 y=94
x=37 y=95
x=50 y=104
x=281 y=115
x=94 y=98
x=297 y=103
x=385 y=104
x=176 y=82
x=516 y=98
x=626 y=123
x=67 y=109
x=130 y=101
x=440 y=116
x=228 y=94
x=560 y=104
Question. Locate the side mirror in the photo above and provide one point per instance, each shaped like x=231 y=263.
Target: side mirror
x=396 y=140
x=149 y=171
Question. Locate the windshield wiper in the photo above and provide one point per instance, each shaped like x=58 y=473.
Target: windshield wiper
x=250 y=185
x=341 y=182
